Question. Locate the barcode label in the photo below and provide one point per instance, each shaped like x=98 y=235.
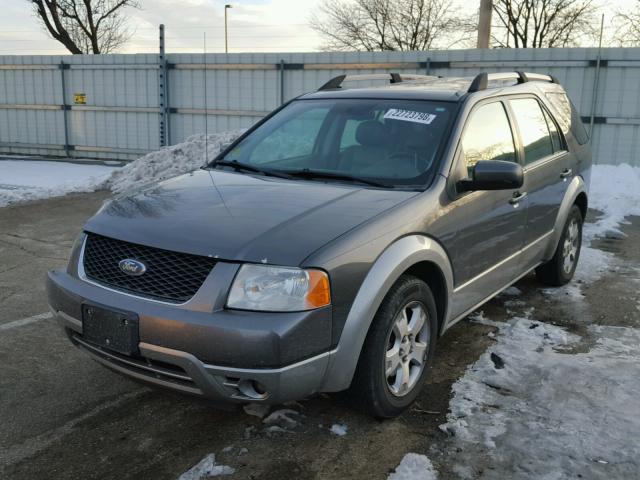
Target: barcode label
x=410 y=116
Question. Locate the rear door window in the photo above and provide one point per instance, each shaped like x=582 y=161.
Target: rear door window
x=556 y=139
x=534 y=131
x=488 y=136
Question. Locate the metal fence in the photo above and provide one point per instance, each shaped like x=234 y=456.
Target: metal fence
x=122 y=106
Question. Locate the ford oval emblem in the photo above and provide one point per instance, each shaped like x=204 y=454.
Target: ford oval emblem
x=132 y=267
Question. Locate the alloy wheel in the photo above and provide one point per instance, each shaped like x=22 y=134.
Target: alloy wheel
x=407 y=348
x=570 y=246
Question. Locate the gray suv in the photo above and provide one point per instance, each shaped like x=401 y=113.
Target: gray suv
x=332 y=244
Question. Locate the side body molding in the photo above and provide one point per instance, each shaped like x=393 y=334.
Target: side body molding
x=575 y=188
x=394 y=261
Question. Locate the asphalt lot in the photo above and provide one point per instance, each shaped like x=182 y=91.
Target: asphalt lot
x=65 y=416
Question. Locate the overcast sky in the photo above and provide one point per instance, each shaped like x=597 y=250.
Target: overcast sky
x=254 y=25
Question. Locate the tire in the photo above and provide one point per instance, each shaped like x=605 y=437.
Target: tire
x=388 y=396
x=560 y=269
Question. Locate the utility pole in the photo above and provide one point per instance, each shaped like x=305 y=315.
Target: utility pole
x=484 y=23
x=226 y=35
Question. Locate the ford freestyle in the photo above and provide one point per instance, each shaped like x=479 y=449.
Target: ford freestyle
x=332 y=244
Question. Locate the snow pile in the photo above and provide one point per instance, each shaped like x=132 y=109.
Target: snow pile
x=339 y=429
x=26 y=180
x=206 y=468
x=531 y=408
x=284 y=419
x=414 y=467
x=170 y=161
x=259 y=410
x=511 y=292
x=615 y=191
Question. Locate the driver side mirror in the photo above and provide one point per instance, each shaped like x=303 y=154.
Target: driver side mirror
x=492 y=175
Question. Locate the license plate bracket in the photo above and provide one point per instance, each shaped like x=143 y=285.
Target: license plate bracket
x=112 y=329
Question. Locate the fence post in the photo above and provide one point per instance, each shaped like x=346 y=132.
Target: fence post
x=162 y=91
x=65 y=107
x=281 y=81
x=596 y=81
x=167 y=103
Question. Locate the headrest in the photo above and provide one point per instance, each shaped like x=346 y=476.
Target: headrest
x=420 y=140
x=371 y=134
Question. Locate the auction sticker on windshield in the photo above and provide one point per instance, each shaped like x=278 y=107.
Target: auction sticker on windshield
x=410 y=116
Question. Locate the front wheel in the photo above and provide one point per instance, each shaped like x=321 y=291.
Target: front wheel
x=560 y=269
x=398 y=349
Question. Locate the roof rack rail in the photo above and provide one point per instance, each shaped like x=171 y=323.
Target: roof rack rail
x=481 y=81
x=336 y=82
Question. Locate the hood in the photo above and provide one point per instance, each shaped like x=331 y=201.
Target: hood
x=240 y=217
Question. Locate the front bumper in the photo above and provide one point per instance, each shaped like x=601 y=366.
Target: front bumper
x=202 y=349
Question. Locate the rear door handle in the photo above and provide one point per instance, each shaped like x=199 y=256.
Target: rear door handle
x=517 y=197
x=566 y=173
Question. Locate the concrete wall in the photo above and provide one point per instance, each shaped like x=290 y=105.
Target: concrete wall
x=138 y=103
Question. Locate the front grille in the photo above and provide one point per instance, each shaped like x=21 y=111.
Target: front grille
x=170 y=276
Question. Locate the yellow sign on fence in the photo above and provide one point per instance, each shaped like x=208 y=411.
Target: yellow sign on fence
x=80 y=98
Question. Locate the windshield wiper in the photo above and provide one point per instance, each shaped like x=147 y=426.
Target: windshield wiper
x=307 y=173
x=249 y=168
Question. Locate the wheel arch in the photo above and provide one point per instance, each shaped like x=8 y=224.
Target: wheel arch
x=576 y=194
x=417 y=254
x=431 y=274
x=583 y=204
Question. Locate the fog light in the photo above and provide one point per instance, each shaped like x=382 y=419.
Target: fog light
x=253 y=389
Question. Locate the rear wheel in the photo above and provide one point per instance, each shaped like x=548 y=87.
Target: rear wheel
x=561 y=268
x=398 y=349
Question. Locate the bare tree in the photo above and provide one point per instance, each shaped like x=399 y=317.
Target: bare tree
x=373 y=25
x=85 y=26
x=627 y=27
x=543 y=23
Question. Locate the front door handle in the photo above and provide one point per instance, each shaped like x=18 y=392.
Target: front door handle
x=566 y=173
x=517 y=197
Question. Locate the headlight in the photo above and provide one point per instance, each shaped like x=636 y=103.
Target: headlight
x=279 y=289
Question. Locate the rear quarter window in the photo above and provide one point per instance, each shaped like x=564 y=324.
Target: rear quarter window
x=567 y=116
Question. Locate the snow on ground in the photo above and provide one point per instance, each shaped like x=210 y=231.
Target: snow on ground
x=206 y=468
x=26 y=180
x=284 y=418
x=614 y=192
x=592 y=265
x=511 y=292
x=546 y=411
x=414 y=467
x=257 y=409
x=339 y=429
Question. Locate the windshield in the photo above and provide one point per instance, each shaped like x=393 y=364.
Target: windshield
x=387 y=142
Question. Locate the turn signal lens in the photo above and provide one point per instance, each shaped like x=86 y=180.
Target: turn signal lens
x=319 y=293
